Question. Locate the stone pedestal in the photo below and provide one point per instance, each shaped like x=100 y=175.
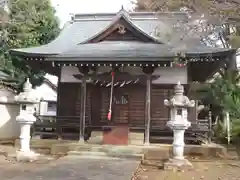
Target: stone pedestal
x=24 y=153
x=178 y=164
x=178 y=161
x=25 y=127
x=178 y=138
x=178 y=122
x=26 y=156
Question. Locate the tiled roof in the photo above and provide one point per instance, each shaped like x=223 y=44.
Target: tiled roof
x=85 y=26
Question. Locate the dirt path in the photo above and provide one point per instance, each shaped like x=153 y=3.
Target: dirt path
x=214 y=170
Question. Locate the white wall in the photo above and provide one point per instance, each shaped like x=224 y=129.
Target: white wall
x=44 y=110
x=47 y=94
x=238 y=60
x=168 y=75
x=9 y=128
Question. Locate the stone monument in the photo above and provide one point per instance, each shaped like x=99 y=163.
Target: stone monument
x=27 y=100
x=178 y=122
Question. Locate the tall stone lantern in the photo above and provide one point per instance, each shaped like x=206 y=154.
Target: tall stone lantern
x=27 y=100
x=178 y=122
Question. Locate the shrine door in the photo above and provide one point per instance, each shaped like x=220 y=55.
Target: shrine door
x=120 y=107
x=118 y=133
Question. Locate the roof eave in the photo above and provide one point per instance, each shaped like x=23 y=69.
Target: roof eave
x=107 y=59
x=211 y=54
x=19 y=52
x=72 y=58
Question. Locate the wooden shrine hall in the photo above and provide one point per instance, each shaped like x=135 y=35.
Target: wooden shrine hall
x=115 y=72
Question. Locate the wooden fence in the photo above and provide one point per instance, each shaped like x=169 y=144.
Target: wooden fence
x=67 y=127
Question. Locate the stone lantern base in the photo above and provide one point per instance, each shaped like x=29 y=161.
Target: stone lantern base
x=178 y=164
x=22 y=156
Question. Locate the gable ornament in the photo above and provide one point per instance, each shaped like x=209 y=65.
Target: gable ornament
x=121 y=29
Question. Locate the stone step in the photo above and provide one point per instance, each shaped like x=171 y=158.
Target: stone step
x=86 y=153
x=158 y=154
x=87 y=157
x=127 y=156
x=93 y=154
x=108 y=149
x=190 y=151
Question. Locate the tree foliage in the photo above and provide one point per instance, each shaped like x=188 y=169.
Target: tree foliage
x=222 y=96
x=224 y=92
x=31 y=23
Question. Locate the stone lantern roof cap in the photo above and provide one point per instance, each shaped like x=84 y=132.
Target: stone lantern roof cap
x=27 y=86
x=28 y=96
x=179 y=99
x=179 y=88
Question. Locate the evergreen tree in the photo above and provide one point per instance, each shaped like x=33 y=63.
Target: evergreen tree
x=30 y=23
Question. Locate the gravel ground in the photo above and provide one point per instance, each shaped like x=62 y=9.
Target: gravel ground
x=209 y=170
x=83 y=169
x=11 y=169
x=66 y=168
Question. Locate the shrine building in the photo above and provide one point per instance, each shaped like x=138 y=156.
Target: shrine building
x=115 y=71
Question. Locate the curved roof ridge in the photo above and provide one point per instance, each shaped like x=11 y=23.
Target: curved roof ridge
x=132 y=15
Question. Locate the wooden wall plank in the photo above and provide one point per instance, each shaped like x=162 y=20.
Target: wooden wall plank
x=160 y=114
x=94 y=100
x=98 y=104
x=68 y=99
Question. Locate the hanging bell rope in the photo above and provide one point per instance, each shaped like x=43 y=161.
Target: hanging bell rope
x=111 y=97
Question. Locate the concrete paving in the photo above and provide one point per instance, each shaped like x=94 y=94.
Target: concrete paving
x=79 y=168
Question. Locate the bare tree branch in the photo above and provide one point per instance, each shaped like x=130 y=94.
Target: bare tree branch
x=219 y=19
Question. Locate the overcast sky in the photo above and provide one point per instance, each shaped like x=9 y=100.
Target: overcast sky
x=65 y=7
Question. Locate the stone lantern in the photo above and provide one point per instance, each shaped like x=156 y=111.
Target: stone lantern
x=178 y=122
x=27 y=100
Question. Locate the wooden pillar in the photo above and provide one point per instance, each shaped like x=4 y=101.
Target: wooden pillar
x=58 y=128
x=83 y=110
x=232 y=62
x=148 y=109
x=148 y=71
x=84 y=70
